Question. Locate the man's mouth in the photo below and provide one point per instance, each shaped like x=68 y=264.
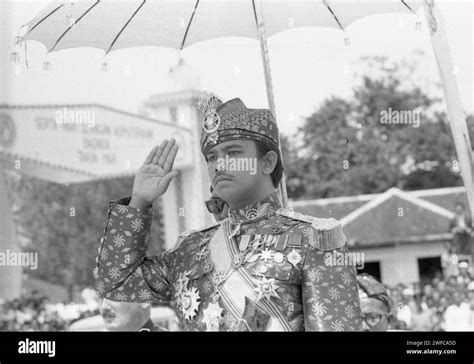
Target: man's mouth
x=222 y=178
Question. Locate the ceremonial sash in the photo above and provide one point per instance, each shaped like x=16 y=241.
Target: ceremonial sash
x=239 y=283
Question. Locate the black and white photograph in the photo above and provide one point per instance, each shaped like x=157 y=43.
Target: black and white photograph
x=172 y=166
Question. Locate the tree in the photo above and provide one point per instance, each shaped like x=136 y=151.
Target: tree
x=348 y=147
x=64 y=223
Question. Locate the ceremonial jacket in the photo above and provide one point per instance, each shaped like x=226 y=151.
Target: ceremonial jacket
x=265 y=268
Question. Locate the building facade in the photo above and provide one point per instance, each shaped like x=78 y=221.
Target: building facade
x=403 y=234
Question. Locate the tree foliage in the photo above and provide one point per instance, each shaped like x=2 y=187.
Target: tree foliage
x=64 y=224
x=345 y=148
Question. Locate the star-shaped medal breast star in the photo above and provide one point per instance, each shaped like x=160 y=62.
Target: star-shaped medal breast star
x=266 y=288
x=211 y=316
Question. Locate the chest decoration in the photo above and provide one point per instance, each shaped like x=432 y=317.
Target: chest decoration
x=294 y=257
x=212 y=316
x=266 y=288
x=187 y=299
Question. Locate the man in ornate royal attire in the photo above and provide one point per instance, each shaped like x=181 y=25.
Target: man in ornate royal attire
x=260 y=269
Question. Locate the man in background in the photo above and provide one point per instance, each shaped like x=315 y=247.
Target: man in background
x=375 y=304
x=458 y=315
x=126 y=316
x=461 y=227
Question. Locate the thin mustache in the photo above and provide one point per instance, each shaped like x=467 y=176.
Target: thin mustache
x=222 y=175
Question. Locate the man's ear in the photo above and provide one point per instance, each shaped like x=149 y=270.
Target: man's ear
x=269 y=162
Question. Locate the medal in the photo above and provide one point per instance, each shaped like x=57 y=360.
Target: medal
x=278 y=257
x=188 y=303
x=266 y=255
x=187 y=300
x=211 y=316
x=294 y=257
x=266 y=288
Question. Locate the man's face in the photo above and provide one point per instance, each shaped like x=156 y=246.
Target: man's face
x=457 y=297
x=124 y=316
x=375 y=313
x=427 y=289
x=234 y=169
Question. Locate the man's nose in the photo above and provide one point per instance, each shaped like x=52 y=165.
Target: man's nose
x=220 y=165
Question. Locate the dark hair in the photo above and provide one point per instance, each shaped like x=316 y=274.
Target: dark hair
x=262 y=150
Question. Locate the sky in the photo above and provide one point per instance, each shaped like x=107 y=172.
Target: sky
x=308 y=65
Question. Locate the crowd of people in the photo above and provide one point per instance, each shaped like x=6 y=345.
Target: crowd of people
x=32 y=311
x=446 y=303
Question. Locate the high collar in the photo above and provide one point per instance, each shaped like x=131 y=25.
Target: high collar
x=262 y=208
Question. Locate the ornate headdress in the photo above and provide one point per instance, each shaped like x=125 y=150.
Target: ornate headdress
x=233 y=120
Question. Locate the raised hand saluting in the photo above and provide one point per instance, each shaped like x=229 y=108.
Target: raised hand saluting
x=154 y=176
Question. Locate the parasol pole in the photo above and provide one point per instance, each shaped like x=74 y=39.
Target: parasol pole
x=455 y=111
x=269 y=88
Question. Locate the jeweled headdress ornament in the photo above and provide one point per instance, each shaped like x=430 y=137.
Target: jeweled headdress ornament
x=208 y=105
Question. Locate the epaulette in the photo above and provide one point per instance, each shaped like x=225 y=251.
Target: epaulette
x=329 y=233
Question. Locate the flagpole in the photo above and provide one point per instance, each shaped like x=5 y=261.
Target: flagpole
x=455 y=111
x=269 y=88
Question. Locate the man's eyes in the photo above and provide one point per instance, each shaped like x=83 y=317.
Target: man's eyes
x=374 y=315
x=212 y=158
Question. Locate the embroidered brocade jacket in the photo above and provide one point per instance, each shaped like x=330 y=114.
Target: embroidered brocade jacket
x=279 y=277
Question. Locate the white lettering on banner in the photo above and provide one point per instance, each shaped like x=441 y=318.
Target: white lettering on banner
x=90 y=139
x=94 y=143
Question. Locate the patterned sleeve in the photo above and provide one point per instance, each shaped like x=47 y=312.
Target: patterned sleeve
x=330 y=294
x=123 y=271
